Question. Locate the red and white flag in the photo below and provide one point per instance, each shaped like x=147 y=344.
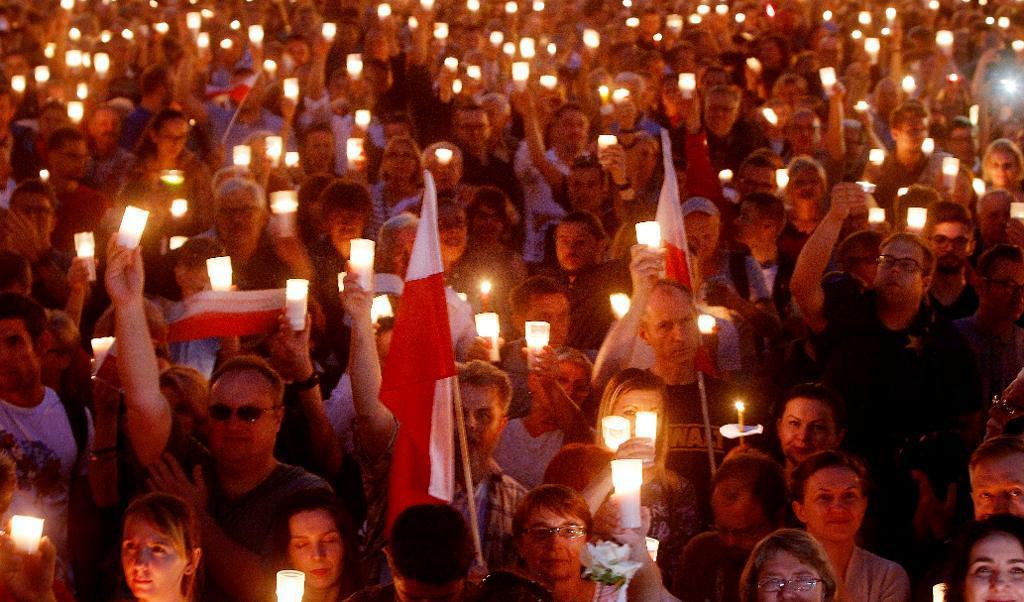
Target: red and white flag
x=226 y=314
x=237 y=92
x=418 y=376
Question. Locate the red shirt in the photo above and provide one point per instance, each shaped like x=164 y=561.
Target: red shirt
x=80 y=210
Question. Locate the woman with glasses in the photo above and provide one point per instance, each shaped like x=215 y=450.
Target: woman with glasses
x=829 y=499
x=988 y=562
x=788 y=565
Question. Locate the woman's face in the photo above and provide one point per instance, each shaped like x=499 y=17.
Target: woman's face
x=1002 y=168
x=315 y=548
x=995 y=570
x=154 y=566
x=833 y=505
x=170 y=139
x=785 y=569
x=552 y=557
x=631 y=402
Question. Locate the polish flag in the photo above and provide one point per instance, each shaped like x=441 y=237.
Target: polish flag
x=226 y=314
x=237 y=93
x=418 y=376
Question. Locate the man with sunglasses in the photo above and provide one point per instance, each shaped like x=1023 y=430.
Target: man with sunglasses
x=950 y=233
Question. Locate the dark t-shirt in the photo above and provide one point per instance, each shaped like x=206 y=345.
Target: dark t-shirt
x=964 y=305
x=709 y=572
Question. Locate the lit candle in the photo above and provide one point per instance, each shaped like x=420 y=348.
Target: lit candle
x=284 y=204
x=876 y=156
x=341 y=281
x=451 y=64
x=18 y=83
x=652 y=544
x=740 y=408
x=628 y=477
x=291 y=89
x=867 y=187
x=381 y=308
x=725 y=177
x=67 y=4
x=42 y=74
x=193 y=21
x=876 y=215
x=383 y=11
x=649 y=233
x=872 y=46
x=687 y=84
x=362 y=118
x=939 y=592
x=274 y=149
x=520 y=74
x=754 y=65
x=950 y=169
x=548 y=81
x=614 y=431
x=591 y=39
x=979 y=186
x=219 y=271
x=890 y=14
x=26 y=531
x=916 y=218
x=674 y=23
x=474 y=72
x=647 y=425
x=360 y=261
x=511 y=8
x=179 y=207
x=256 y=35
x=73 y=58
x=329 y=31
x=441 y=31
x=444 y=157
x=100 y=349
x=296 y=296
x=485 y=291
x=1017 y=211
x=606 y=140
x=908 y=84
x=353 y=152
x=44 y=175
x=203 y=40
x=928 y=146
x=706 y=323
x=176 y=242
x=85 y=248
x=76 y=111
x=828 y=79
x=782 y=178
x=620 y=95
x=172 y=177
x=270 y=66
x=291 y=159
x=473 y=5
x=862 y=106
x=132 y=225
x=489 y=327
x=944 y=40
x=496 y=38
x=538 y=335
x=770 y=116
x=291 y=585
x=241 y=155
x=82 y=90
x=972 y=113
x=620 y=304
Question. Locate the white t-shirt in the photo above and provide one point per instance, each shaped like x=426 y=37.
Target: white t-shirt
x=40 y=441
x=525 y=457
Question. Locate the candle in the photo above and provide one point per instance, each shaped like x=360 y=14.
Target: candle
x=354 y=65
x=132 y=224
x=381 y=308
x=628 y=477
x=939 y=592
x=908 y=84
x=876 y=215
x=944 y=41
x=26 y=531
x=972 y=113
x=241 y=155
x=85 y=248
x=520 y=74
x=649 y=233
x=876 y=156
x=725 y=177
x=474 y=72
x=353 y=152
x=427 y=4
x=652 y=544
x=256 y=34
x=73 y=58
x=591 y=39
x=864 y=18
x=538 y=335
x=916 y=218
x=176 y=242
x=473 y=5
x=979 y=186
x=193 y=21
x=740 y=408
x=620 y=304
x=511 y=8
x=706 y=323
x=67 y=4
x=614 y=431
x=862 y=106
x=867 y=187
x=291 y=89
x=82 y=90
x=296 y=296
x=782 y=178
x=928 y=146
x=172 y=177
x=451 y=64
x=548 y=81
x=274 y=149
x=890 y=14
x=606 y=140
x=1017 y=211
x=100 y=349
x=901 y=191
x=770 y=116
x=329 y=31
x=687 y=84
x=489 y=327
x=950 y=169
x=360 y=261
x=440 y=31
x=291 y=585
x=754 y=65
x=647 y=425
x=18 y=83
x=42 y=74
x=674 y=23
x=828 y=79
x=219 y=271
x=872 y=46
x=179 y=207
x=496 y=38
x=284 y=204
x=620 y=95
x=383 y=11
x=443 y=155
x=76 y=111
x=509 y=49
x=203 y=40
x=270 y=66
x=291 y=159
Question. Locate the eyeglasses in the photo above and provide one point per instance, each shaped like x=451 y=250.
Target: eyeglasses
x=802 y=584
x=907 y=265
x=569 y=532
x=959 y=242
x=222 y=412
x=1007 y=286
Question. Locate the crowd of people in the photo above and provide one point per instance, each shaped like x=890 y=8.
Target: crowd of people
x=834 y=379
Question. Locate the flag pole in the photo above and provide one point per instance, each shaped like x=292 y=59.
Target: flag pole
x=238 y=109
x=460 y=428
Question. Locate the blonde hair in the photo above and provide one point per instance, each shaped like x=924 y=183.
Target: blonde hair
x=1003 y=145
x=174 y=518
x=635 y=379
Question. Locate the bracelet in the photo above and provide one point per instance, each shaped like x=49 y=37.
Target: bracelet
x=305 y=385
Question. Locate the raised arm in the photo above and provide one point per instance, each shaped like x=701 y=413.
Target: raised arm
x=524 y=102
x=835 y=142
x=813 y=260
x=148 y=413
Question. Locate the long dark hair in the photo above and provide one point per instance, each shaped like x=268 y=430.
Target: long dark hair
x=350 y=579
x=973 y=533
x=146 y=148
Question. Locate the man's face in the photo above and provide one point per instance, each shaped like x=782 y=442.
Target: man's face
x=739 y=517
x=318 y=155
x=235 y=442
x=472 y=130
x=574 y=379
x=571 y=130
x=805 y=427
x=102 y=131
x=452 y=232
x=952 y=243
x=720 y=113
x=19 y=361
x=553 y=309
x=586 y=188
x=576 y=247
x=910 y=134
x=170 y=139
x=752 y=229
x=70 y=160
x=806 y=189
x=485 y=420
x=900 y=278
x=993 y=216
x=755 y=179
x=702 y=231
x=37 y=209
x=1002 y=293
x=669 y=326
x=240 y=219
x=961 y=144
x=343 y=225
x=997 y=486
x=802 y=133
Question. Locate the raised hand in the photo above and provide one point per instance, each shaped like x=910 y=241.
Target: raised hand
x=124 y=276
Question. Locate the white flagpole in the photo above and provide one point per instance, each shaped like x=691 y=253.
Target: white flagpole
x=460 y=428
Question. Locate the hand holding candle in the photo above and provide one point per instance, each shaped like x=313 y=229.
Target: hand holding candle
x=219 y=271
x=85 y=248
x=649 y=233
x=360 y=261
x=488 y=327
x=296 y=298
x=538 y=335
x=647 y=425
x=26 y=531
x=614 y=431
x=284 y=204
x=628 y=478
x=132 y=224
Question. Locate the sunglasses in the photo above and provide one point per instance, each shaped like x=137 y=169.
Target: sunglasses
x=222 y=412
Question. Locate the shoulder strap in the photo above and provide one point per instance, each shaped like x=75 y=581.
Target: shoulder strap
x=79 y=427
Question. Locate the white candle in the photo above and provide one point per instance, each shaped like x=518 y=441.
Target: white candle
x=770 y=116
x=81 y=90
x=620 y=95
x=908 y=84
x=972 y=113
x=444 y=155
x=520 y=74
x=782 y=178
x=876 y=156
x=548 y=81
x=496 y=38
x=381 y=308
x=1017 y=210
x=928 y=146
x=360 y=261
x=861 y=106
x=620 y=304
x=876 y=215
x=950 y=169
x=76 y=111
x=67 y=4
x=606 y=140
x=296 y=296
x=828 y=79
x=26 y=531
x=867 y=187
x=652 y=544
x=591 y=39
x=241 y=155
x=979 y=186
x=872 y=46
x=256 y=35
x=270 y=67
x=44 y=175
x=353 y=152
x=291 y=88
x=275 y=148
x=291 y=585
x=179 y=207
x=427 y=4
x=18 y=83
x=172 y=177
x=291 y=159
x=489 y=327
x=474 y=72
x=100 y=349
x=42 y=74
x=538 y=335
x=725 y=177
x=511 y=8
x=944 y=41
x=341 y=281
x=628 y=477
x=864 y=17
x=440 y=31
x=916 y=218
x=193 y=21
x=176 y=242
x=362 y=118
x=284 y=204
x=451 y=64
x=674 y=23
x=649 y=233
x=647 y=425
x=203 y=40
x=706 y=323
x=219 y=271
x=85 y=248
x=132 y=224
x=614 y=431
x=687 y=84
x=73 y=58
x=939 y=592
x=329 y=31
x=354 y=65
x=754 y=65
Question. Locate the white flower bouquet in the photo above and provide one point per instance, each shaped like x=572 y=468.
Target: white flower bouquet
x=611 y=565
